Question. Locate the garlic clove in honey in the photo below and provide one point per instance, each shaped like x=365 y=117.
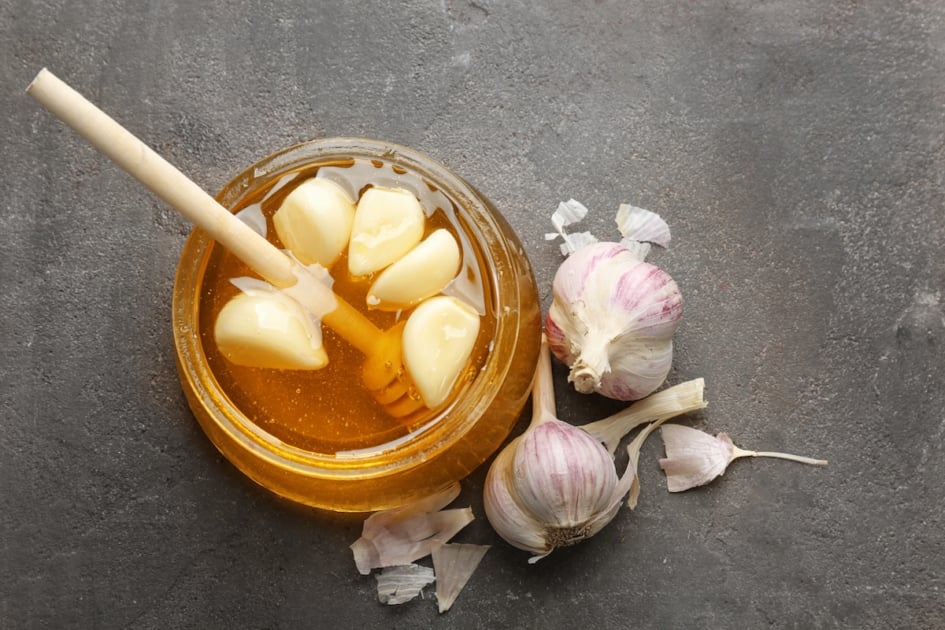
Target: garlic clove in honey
x=314 y=221
x=438 y=339
x=269 y=330
x=424 y=271
x=612 y=320
x=388 y=223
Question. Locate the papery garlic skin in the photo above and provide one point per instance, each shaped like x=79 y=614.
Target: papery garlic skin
x=612 y=321
x=693 y=458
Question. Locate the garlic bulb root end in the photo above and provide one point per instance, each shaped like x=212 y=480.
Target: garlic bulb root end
x=585 y=379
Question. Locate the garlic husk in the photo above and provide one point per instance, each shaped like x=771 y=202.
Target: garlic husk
x=453 y=565
x=695 y=458
x=400 y=584
x=401 y=535
x=412 y=539
x=612 y=320
x=567 y=213
x=638 y=225
x=555 y=485
x=394 y=518
x=662 y=405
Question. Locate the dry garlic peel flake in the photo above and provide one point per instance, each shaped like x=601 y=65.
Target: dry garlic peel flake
x=400 y=584
x=438 y=339
x=694 y=458
x=654 y=409
x=393 y=518
x=314 y=221
x=642 y=226
x=568 y=213
x=668 y=403
x=388 y=223
x=402 y=535
x=454 y=564
x=424 y=271
x=414 y=539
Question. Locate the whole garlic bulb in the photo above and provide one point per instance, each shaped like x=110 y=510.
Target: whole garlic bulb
x=555 y=485
x=612 y=321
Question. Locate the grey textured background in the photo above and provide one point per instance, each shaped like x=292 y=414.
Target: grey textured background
x=796 y=149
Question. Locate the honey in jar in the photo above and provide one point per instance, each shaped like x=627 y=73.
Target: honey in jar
x=319 y=436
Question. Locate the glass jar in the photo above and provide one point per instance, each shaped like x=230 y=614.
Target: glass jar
x=386 y=468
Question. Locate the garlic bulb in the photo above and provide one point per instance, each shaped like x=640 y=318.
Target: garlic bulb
x=554 y=485
x=612 y=321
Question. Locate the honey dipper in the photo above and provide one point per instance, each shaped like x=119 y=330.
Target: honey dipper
x=384 y=374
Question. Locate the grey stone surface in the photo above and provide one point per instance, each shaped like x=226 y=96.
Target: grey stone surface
x=796 y=149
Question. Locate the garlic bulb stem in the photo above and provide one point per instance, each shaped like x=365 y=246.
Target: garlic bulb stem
x=669 y=403
x=739 y=452
x=591 y=365
x=544 y=407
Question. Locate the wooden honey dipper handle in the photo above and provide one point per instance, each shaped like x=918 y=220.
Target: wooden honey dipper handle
x=182 y=194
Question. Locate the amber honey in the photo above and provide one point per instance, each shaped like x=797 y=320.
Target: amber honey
x=318 y=437
x=329 y=410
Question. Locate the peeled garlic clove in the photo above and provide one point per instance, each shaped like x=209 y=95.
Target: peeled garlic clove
x=612 y=320
x=424 y=271
x=268 y=330
x=388 y=222
x=314 y=221
x=438 y=338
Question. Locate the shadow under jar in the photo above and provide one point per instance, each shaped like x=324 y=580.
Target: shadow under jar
x=318 y=437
